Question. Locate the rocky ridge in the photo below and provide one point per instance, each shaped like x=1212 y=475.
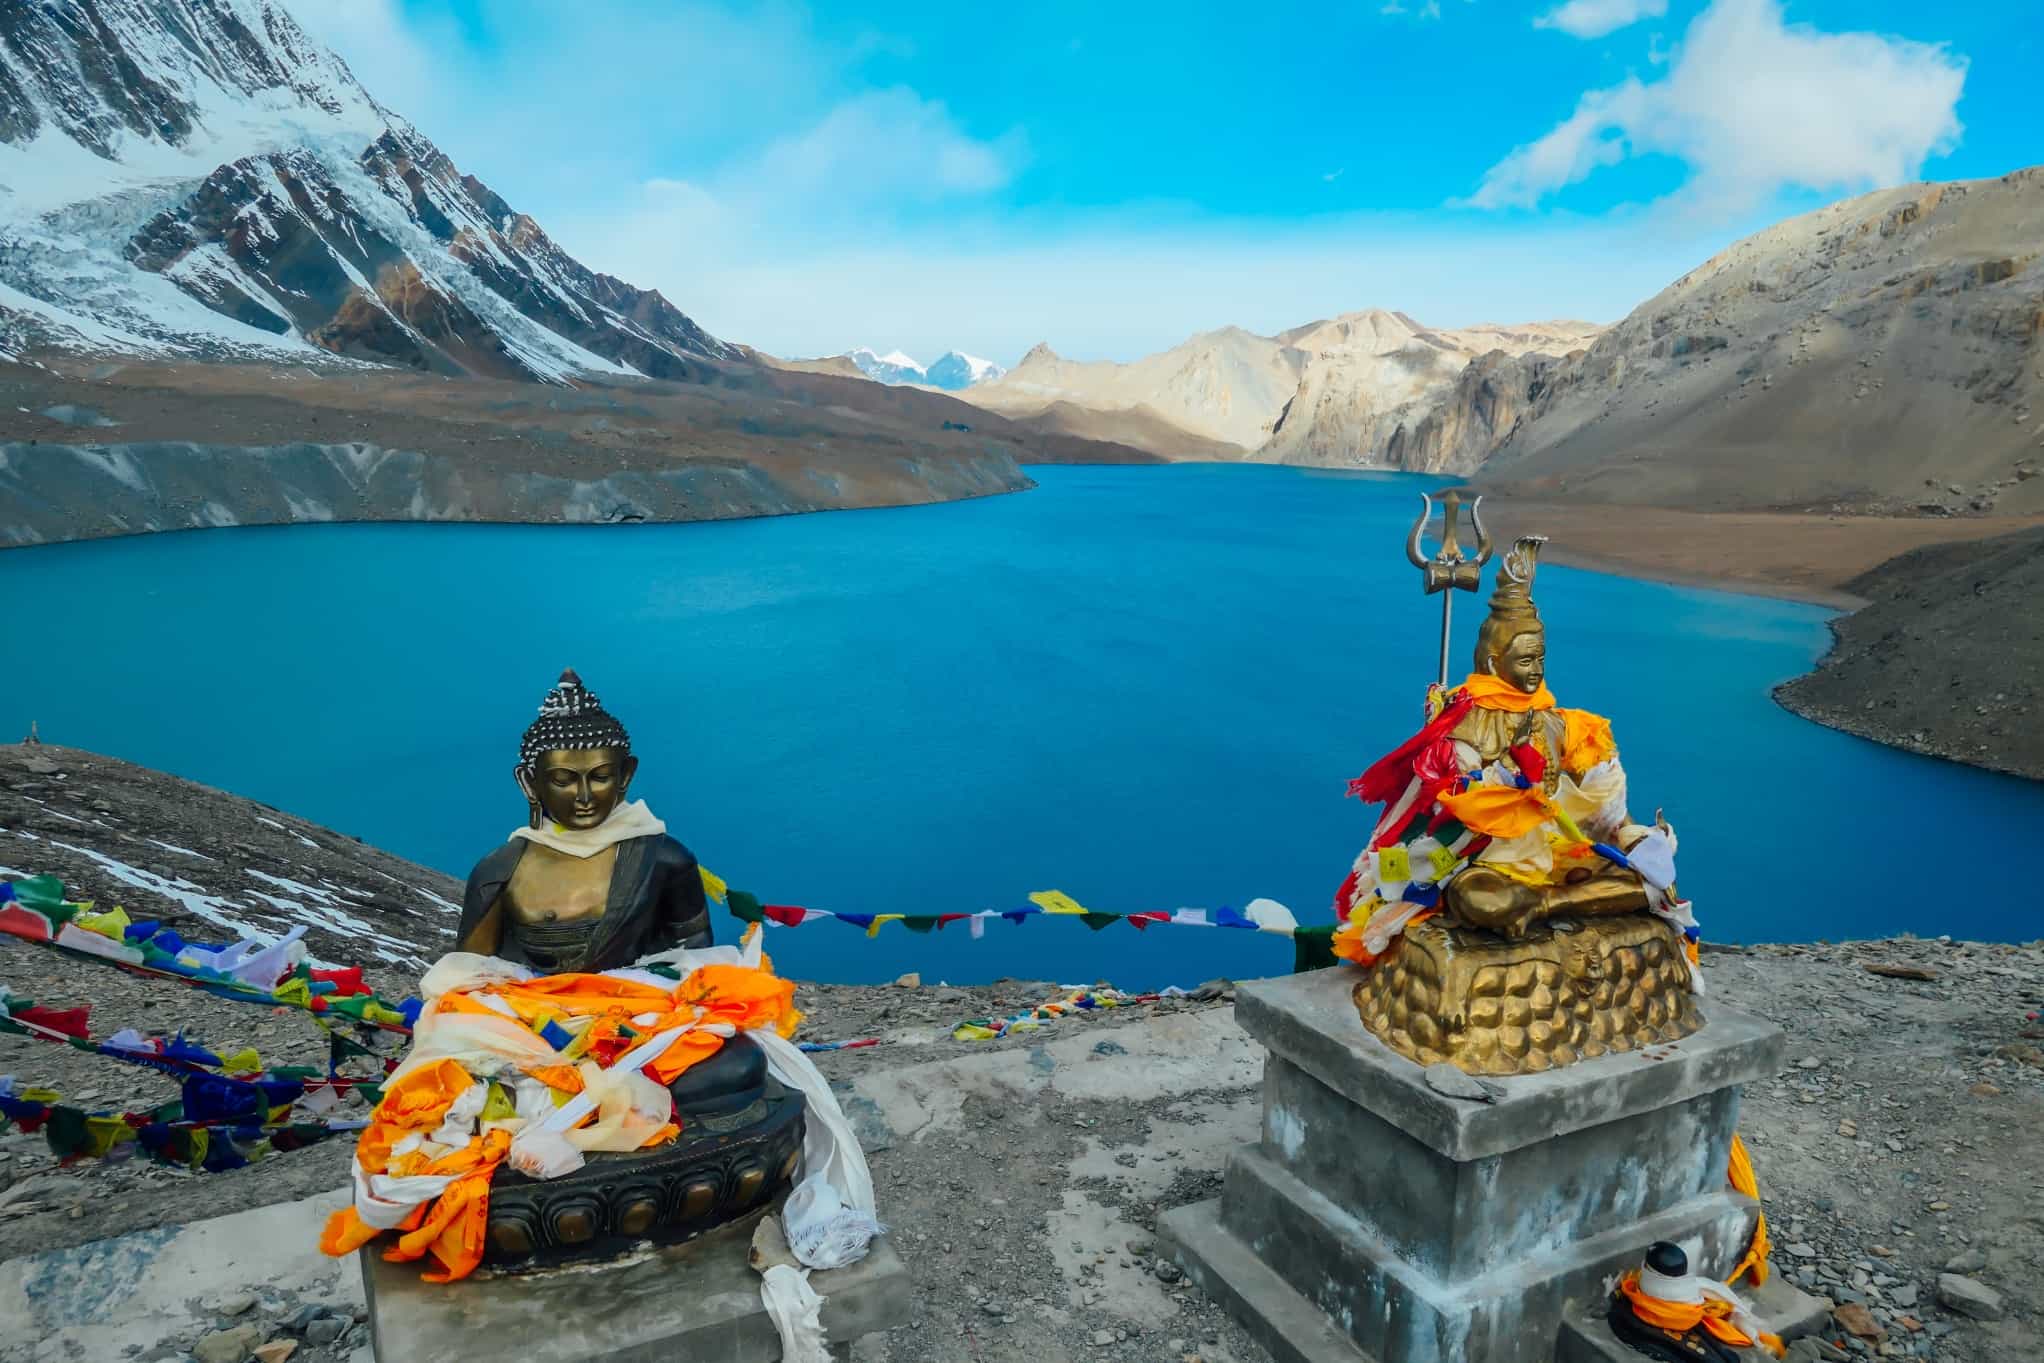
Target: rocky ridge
x=52 y=493
x=1344 y=392
x=1945 y=658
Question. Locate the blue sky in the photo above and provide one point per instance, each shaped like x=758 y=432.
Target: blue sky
x=1113 y=179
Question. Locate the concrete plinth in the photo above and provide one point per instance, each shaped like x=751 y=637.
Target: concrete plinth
x=692 y=1303
x=1376 y=1218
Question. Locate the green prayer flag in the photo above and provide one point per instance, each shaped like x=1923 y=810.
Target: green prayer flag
x=65 y=1131
x=1313 y=948
x=41 y=893
x=744 y=907
x=919 y=922
x=1097 y=921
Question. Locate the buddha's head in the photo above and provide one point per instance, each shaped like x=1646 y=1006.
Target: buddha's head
x=575 y=762
x=1511 y=644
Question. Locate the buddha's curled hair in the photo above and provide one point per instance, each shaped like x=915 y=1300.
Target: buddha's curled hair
x=571 y=718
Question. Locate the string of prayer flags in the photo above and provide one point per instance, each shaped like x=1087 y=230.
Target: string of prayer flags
x=1077 y=999
x=33 y=908
x=1259 y=915
x=169 y=1134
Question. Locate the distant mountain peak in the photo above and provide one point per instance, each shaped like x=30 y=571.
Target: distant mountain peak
x=954 y=370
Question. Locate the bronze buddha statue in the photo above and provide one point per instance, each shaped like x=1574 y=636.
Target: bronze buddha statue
x=1513 y=915
x=594 y=883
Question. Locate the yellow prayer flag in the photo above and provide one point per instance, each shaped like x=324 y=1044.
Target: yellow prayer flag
x=113 y=923
x=1394 y=866
x=873 y=928
x=1056 y=901
x=713 y=884
x=242 y=1061
x=294 y=991
x=1443 y=861
x=102 y=1134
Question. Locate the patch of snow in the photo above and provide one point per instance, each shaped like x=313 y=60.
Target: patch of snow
x=213 y=908
x=436 y=900
x=181 y=851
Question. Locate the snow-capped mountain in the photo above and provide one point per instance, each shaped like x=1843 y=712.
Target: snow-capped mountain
x=893 y=367
x=200 y=176
x=957 y=370
x=954 y=371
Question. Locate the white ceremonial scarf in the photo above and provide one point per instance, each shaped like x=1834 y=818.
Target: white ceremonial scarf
x=626 y=821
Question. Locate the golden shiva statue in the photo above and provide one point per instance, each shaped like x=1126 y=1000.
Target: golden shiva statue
x=1513 y=915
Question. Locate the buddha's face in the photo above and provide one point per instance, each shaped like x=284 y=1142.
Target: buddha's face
x=578 y=788
x=1523 y=662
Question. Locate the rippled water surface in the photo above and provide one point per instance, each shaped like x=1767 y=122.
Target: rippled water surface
x=1146 y=687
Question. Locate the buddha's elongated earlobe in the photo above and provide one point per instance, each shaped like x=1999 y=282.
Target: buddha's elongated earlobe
x=523 y=776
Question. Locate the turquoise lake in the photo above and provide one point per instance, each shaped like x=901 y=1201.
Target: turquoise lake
x=1146 y=687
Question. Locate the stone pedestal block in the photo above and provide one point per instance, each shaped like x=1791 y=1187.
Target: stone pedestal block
x=692 y=1303
x=1379 y=1219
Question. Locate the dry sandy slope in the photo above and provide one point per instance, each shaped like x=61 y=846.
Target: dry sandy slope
x=1879 y=355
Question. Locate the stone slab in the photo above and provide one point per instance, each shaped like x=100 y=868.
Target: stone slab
x=1287 y=1324
x=1786 y=1310
x=1397 y=1310
x=1461 y=1219
x=1310 y=1020
x=692 y=1303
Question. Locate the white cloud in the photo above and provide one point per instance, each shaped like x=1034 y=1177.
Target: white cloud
x=1595 y=18
x=885 y=145
x=1753 y=106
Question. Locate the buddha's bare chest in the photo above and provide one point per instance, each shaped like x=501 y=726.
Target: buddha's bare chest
x=551 y=887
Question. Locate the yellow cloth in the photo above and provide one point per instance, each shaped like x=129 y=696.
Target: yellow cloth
x=1495 y=693
x=1500 y=811
x=1056 y=901
x=713 y=885
x=1586 y=740
x=1743 y=1180
x=450 y=1228
x=243 y=1062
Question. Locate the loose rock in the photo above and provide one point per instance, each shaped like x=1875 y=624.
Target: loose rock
x=1969 y=1298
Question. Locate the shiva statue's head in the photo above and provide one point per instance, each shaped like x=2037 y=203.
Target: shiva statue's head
x=1512 y=643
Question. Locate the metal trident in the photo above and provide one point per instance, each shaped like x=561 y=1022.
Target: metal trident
x=1448 y=569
